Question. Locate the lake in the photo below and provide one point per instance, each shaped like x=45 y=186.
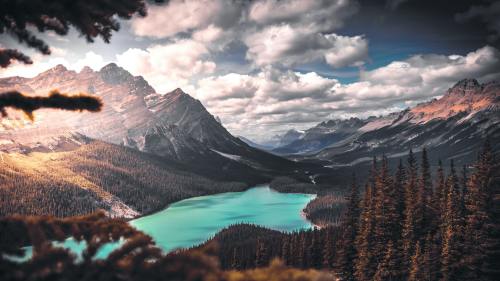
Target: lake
x=193 y=221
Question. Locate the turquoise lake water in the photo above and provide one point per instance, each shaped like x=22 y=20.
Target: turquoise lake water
x=192 y=221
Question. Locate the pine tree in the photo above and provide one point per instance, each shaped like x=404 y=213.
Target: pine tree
x=424 y=215
x=302 y=249
x=363 y=242
x=399 y=188
x=364 y=263
x=389 y=268
x=490 y=270
x=386 y=213
x=415 y=273
x=234 y=260
x=439 y=195
x=329 y=249
x=350 y=224
x=453 y=229
x=285 y=250
x=479 y=216
x=430 y=259
x=295 y=250
x=409 y=231
x=314 y=250
x=261 y=255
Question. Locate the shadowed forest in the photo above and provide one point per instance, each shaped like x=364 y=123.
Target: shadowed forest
x=404 y=226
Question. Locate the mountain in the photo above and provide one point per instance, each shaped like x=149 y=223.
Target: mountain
x=275 y=141
x=451 y=127
x=172 y=125
x=289 y=137
x=321 y=136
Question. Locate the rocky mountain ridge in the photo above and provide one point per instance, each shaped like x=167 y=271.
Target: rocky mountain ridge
x=172 y=125
x=453 y=126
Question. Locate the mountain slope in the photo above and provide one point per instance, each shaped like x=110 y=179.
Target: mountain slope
x=452 y=127
x=191 y=117
x=172 y=125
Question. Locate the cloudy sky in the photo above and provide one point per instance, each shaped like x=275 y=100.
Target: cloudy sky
x=266 y=66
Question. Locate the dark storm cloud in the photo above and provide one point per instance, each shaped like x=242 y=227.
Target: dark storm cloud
x=427 y=23
x=394 y=4
x=488 y=14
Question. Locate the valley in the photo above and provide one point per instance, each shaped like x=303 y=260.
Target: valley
x=97 y=175
x=146 y=150
x=191 y=222
x=142 y=152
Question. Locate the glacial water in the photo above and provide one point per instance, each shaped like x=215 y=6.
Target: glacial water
x=192 y=221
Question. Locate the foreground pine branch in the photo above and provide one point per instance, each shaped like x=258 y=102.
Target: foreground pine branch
x=55 y=100
x=137 y=259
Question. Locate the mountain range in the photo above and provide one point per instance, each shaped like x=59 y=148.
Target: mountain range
x=173 y=125
x=451 y=127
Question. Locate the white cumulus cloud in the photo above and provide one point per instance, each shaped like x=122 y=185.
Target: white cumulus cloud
x=290 y=46
x=273 y=100
x=168 y=66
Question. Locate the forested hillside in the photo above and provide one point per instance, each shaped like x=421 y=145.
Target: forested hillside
x=326 y=210
x=122 y=181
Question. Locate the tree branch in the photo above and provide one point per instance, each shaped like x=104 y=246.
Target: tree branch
x=55 y=99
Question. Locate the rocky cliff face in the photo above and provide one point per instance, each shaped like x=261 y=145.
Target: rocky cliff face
x=467 y=96
x=132 y=109
x=187 y=113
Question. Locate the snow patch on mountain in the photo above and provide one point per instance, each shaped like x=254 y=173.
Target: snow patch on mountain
x=227 y=155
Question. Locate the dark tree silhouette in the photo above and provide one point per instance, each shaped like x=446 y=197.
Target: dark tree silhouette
x=55 y=99
x=347 y=253
x=91 y=18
